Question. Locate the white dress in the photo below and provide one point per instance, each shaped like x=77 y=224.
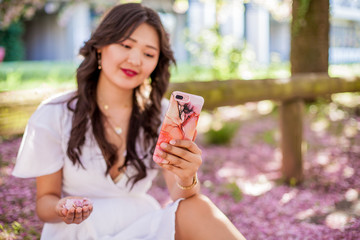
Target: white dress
x=119 y=212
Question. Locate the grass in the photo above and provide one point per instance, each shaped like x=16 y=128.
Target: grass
x=31 y=74
x=45 y=74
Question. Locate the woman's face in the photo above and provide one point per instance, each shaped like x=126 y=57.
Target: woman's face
x=128 y=63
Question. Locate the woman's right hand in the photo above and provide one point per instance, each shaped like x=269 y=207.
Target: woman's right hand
x=73 y=214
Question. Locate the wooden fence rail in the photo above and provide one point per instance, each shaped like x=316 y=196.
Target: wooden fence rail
x=234 y=92
x=16 y=107
x=289 y=92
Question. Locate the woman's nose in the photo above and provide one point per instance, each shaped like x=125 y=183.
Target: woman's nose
x=134 y=58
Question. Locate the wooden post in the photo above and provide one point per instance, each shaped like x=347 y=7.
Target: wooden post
x=309 y=54
x=291 y=128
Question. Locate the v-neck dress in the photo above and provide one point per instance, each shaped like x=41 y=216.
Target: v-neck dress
x=120 y=212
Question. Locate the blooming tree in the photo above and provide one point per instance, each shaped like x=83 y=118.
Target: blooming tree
x=12 y=10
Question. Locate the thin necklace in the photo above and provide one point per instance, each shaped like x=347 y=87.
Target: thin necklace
x=117 y=129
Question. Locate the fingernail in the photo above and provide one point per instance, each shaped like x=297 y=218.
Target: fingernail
x=172 y=142
x=163 y=145
x=157 y=159
x=164 y=162
x=160 y=153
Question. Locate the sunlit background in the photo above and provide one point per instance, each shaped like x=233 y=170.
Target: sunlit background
x=218 y=39
x=212 y=40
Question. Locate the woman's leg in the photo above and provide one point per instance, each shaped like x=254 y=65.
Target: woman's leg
x=198 y=218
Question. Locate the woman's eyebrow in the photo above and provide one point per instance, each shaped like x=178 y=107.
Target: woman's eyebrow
x=149 y=46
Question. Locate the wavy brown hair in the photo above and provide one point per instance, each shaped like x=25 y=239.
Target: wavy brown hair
x=117 y=25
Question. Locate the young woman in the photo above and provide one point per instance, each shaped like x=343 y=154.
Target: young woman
x=97 y=143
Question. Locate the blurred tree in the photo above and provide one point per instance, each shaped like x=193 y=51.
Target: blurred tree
x=12 y=10
x=11 y=40
x=310 y=36
x=210 y=48
x=309 y=54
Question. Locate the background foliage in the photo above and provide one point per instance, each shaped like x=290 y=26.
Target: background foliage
x=12 y=39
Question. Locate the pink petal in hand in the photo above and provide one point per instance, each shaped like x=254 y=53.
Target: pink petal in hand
x=75 y=203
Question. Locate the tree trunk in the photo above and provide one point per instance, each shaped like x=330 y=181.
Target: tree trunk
x=310 y=36
x=309 y=54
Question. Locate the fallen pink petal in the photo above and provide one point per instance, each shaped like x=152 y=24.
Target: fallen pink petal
x=242 y=178
x=75 y=203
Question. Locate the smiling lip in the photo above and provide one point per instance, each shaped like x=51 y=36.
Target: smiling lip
x=129 y=72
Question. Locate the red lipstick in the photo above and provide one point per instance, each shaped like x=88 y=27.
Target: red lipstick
x=129 y=72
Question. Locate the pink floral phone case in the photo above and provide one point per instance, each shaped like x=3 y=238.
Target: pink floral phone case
x=180 y=119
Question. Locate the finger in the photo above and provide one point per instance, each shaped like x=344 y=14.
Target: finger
x=175 y=170
x=180 y=173
x=174 y=160
x=187 y=144
x=78 y=216
x=85 y=212
x=63 y=212
x=178 y=151
x=90 y=209
x=70 y=216
x=157 y=156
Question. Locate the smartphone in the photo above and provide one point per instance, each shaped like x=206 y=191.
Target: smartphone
x=180 y=119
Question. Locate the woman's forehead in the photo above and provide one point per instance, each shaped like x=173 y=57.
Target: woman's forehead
x=146 y=35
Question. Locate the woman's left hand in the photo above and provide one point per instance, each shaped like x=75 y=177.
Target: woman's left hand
x=181 y=157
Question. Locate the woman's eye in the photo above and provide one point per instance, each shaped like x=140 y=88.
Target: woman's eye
x=149 y=55
x=125 y=46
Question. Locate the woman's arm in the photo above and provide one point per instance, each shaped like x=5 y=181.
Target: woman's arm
x=181 y=160
x=175 y=191
x=49 y=204
x=48 y=195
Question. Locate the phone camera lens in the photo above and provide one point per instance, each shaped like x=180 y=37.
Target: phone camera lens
x=179 y=97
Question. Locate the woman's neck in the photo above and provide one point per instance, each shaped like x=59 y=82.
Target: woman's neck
x=113 y=97
x=116 y=106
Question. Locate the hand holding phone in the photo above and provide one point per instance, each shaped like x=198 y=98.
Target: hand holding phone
x=180 y=119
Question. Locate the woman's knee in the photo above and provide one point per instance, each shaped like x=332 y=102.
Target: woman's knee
x=191 y=211
x=198 y=218
x=199 y=199
x=197 y=204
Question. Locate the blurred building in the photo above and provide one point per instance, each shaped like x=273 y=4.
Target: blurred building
x=57 y=34
x=345 y=31
x=59 y=30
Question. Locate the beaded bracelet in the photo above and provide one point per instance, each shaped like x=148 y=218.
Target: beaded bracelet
x=194 y=182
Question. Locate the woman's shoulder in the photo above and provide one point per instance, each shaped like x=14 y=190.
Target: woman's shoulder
x=59 y=98
x=53 y=107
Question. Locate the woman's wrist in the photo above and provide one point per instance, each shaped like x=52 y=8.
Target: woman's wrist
x=189 y=186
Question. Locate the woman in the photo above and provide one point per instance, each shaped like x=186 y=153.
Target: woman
x=97 y=143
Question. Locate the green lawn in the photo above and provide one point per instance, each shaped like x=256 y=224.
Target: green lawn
x=47 y=74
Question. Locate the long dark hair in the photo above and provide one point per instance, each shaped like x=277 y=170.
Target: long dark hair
x=117 y=25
